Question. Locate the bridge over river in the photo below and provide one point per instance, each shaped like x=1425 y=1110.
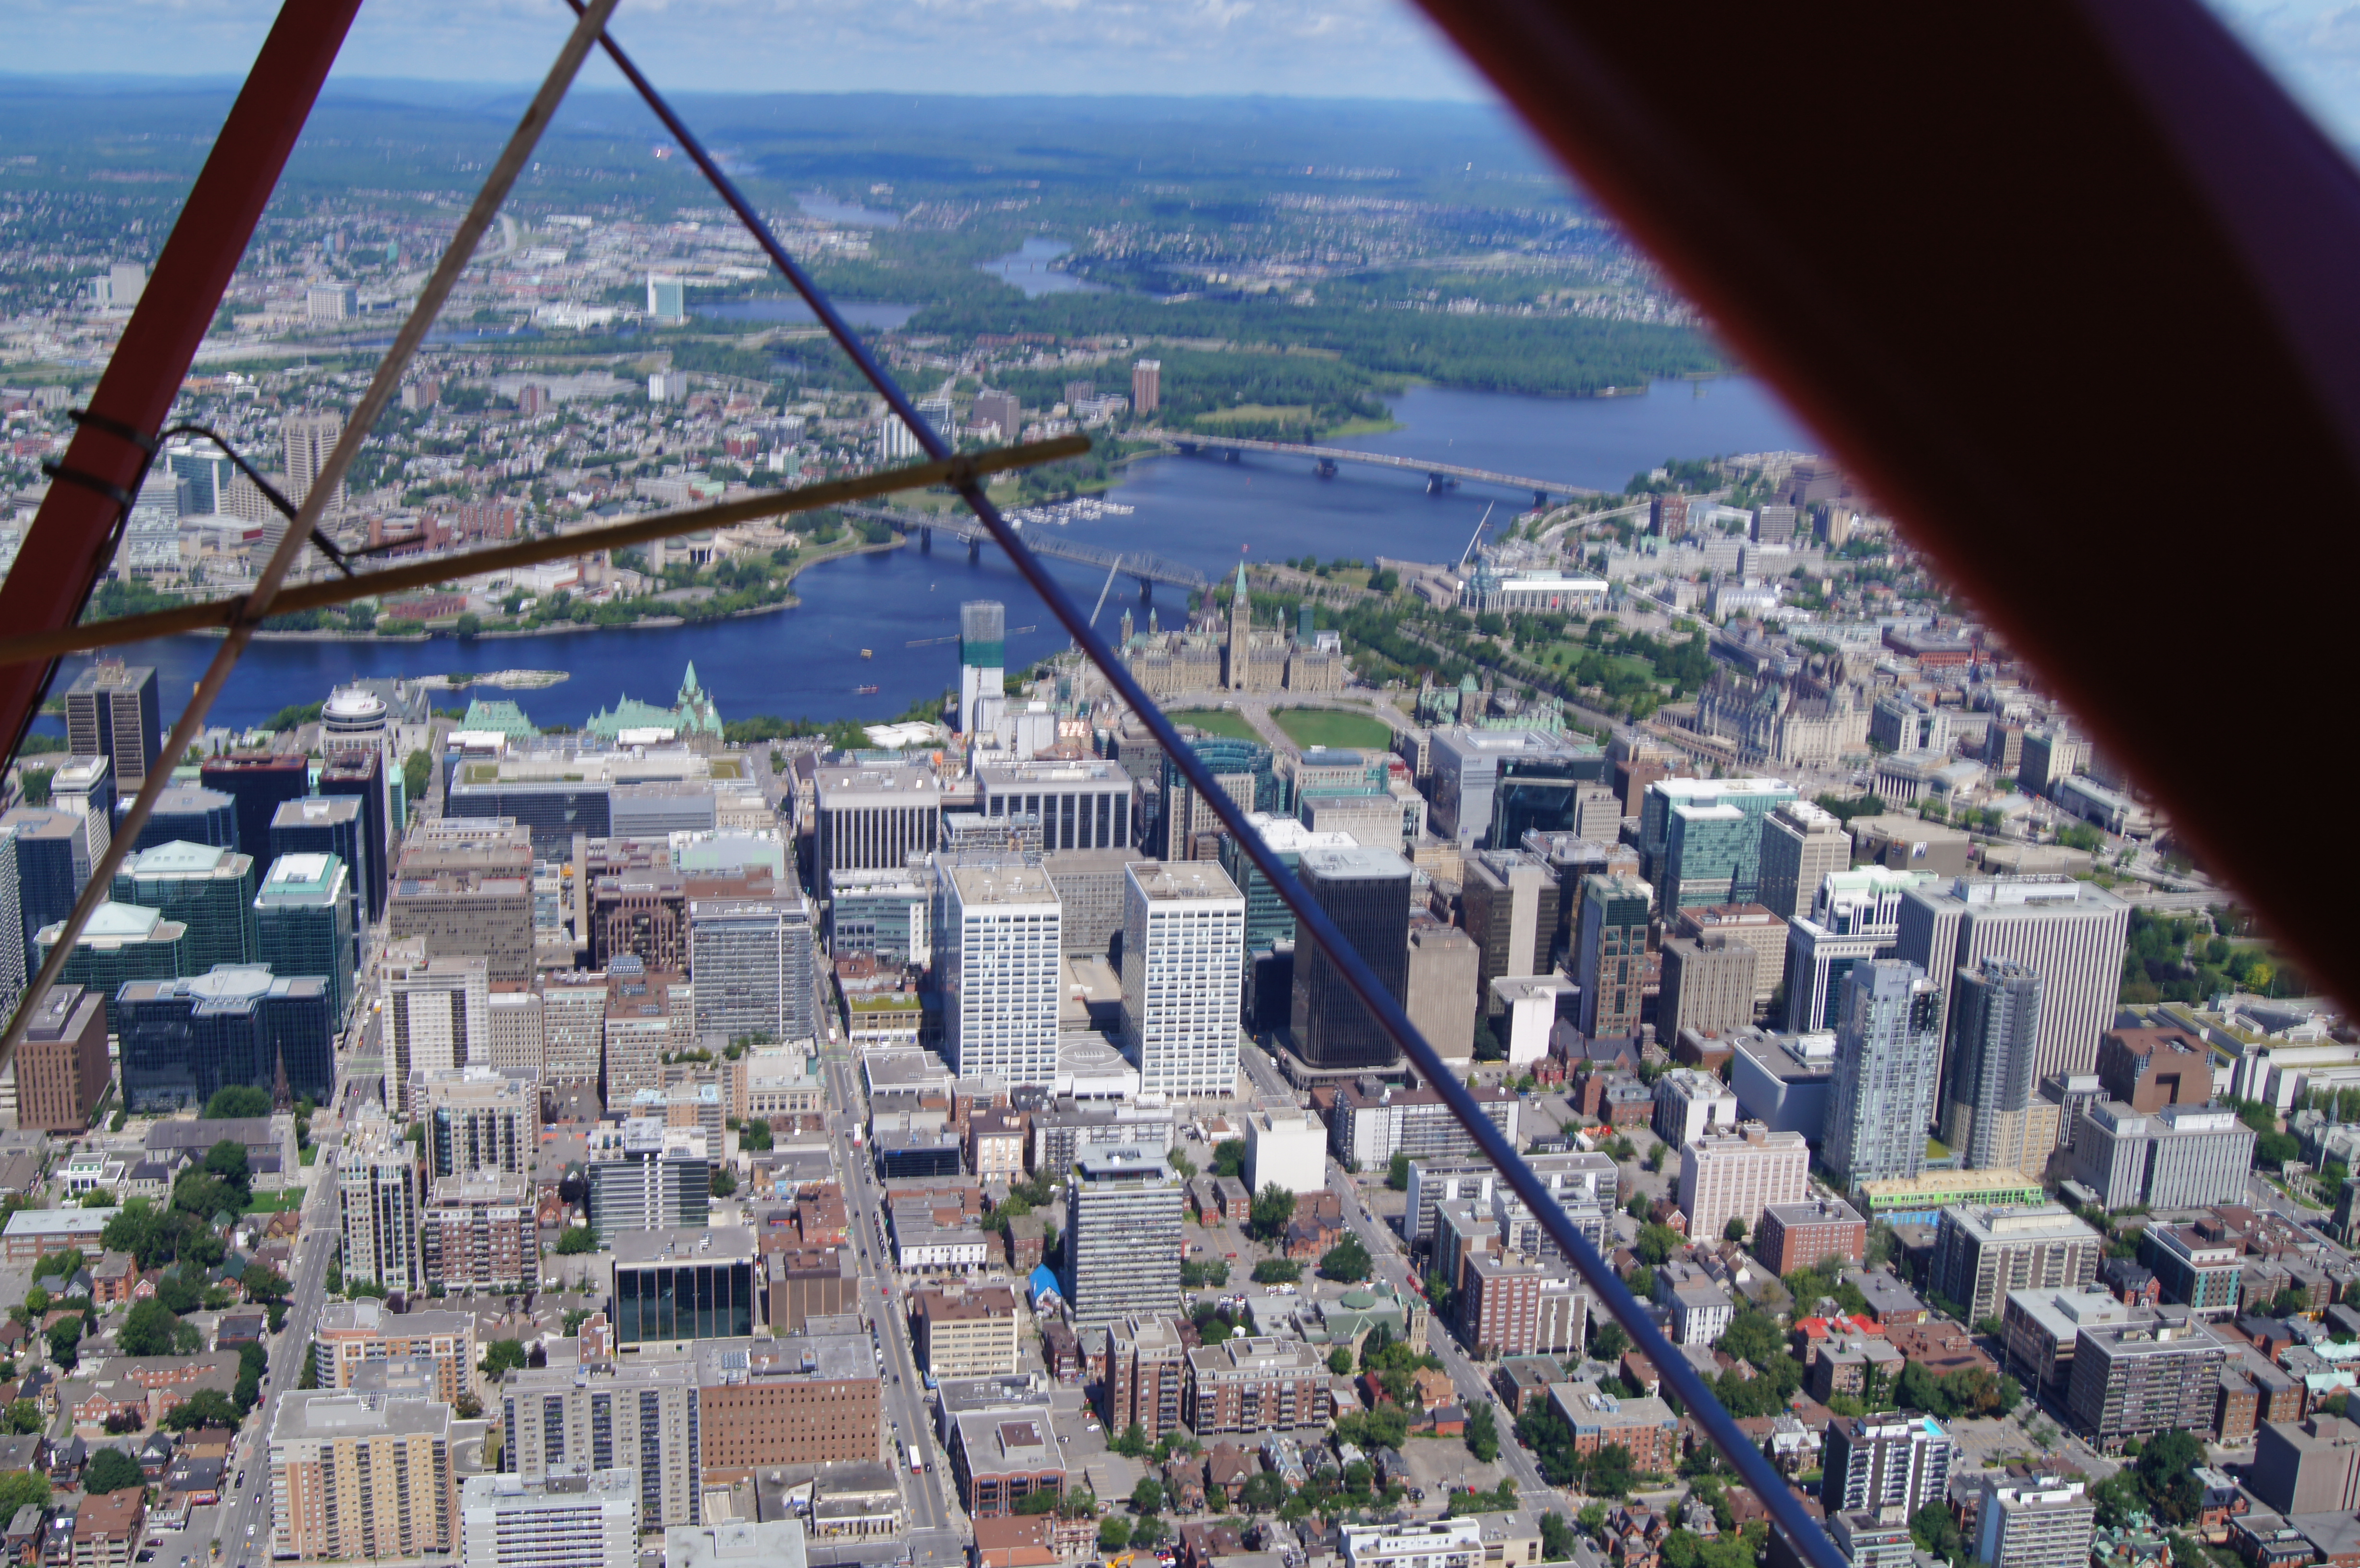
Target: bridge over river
x=1145 y=568
x=1324 y=459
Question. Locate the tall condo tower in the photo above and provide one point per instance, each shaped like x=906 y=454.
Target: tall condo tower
x=983 y=663
x=1888 y=1052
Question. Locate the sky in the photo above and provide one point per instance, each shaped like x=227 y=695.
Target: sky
x=1359 y=48
x=2313 y=46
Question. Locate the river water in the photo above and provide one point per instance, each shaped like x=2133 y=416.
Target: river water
x=805 y=662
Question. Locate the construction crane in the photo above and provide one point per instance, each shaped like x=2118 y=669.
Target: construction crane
x=938 y=641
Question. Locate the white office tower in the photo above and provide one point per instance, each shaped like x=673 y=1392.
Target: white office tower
x=573 y=1517
x=1183 y=946
x=643 y=1175
x=1888 y=1057
x=1856 y=915
x=983 y=665
x=752 y=963
x=999 y=945
x=376 y=1176
x=2069 y=933
x=438 y=1015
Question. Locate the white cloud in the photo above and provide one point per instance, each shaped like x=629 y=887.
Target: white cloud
x=1379 y=48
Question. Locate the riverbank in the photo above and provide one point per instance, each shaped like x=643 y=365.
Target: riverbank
x=559 y=628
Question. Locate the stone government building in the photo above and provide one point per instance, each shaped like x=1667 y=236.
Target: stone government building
x=1204 y=657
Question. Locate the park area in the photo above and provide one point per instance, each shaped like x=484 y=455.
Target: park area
x=1217 y=722
x=1328 y=727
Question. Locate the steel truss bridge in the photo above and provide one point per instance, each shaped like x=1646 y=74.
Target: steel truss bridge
x=1145 y=568
x=1325 y=460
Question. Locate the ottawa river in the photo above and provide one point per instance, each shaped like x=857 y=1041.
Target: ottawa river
x=805 y=662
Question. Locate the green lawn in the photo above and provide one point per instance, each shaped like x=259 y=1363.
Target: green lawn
x=1215 y=720
x=1327 y=726
x=272 y=1202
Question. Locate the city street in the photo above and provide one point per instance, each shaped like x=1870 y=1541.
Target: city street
x=245 y=1511
x=934 y=1535
x=1465 y=1377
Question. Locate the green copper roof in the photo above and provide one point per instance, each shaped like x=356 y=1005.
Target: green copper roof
x=499 y=714
x=693 y=712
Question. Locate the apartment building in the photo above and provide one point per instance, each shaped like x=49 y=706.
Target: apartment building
x=2139 y=1379
x=349 y=1335
x=2043 y=1521
x=960 y=1333
x=1982 y=1253
x=361 y=1474
x=577 y=1518
x=641 y=1414
x=479 y=1232
x=1736 y=1175
x=1255 y=1384
x=1142 y=1377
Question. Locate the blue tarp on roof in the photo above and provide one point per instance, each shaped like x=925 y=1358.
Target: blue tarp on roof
x=1041 y=1282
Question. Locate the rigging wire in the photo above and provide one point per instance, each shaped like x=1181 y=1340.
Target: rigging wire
x=1787 y=1509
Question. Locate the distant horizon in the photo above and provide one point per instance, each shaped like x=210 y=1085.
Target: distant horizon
x=96 y=81
x=1382 y=50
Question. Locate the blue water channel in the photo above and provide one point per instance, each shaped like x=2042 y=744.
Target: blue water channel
x=806 y=661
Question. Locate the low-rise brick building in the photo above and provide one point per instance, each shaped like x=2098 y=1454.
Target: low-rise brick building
x=1798 y=1235
x=1644 y=1425
x=964 y=1333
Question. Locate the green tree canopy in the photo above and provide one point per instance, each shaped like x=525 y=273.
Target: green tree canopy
x=502 y=1356
x=1347 y=1260
x=111 y=1470
x=1482 y=1432
x=236 y=1101
x=1273 y=1207
x=226 y=1160
x=206 y=1407
x=23 y=1488
x=149 y=1329
x=576 y=1239
x=264 y=1283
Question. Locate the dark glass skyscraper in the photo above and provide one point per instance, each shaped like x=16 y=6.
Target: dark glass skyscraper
x=359 y=771
x=184 y=1041
x=188 y=814
x=258 y=781
x=1366 y=893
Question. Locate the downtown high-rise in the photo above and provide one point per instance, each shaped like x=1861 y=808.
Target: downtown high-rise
x=1183 y=965
x=2071 y=933
x=1989 y=1090
x=999 y=951
x=1889 y=1055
